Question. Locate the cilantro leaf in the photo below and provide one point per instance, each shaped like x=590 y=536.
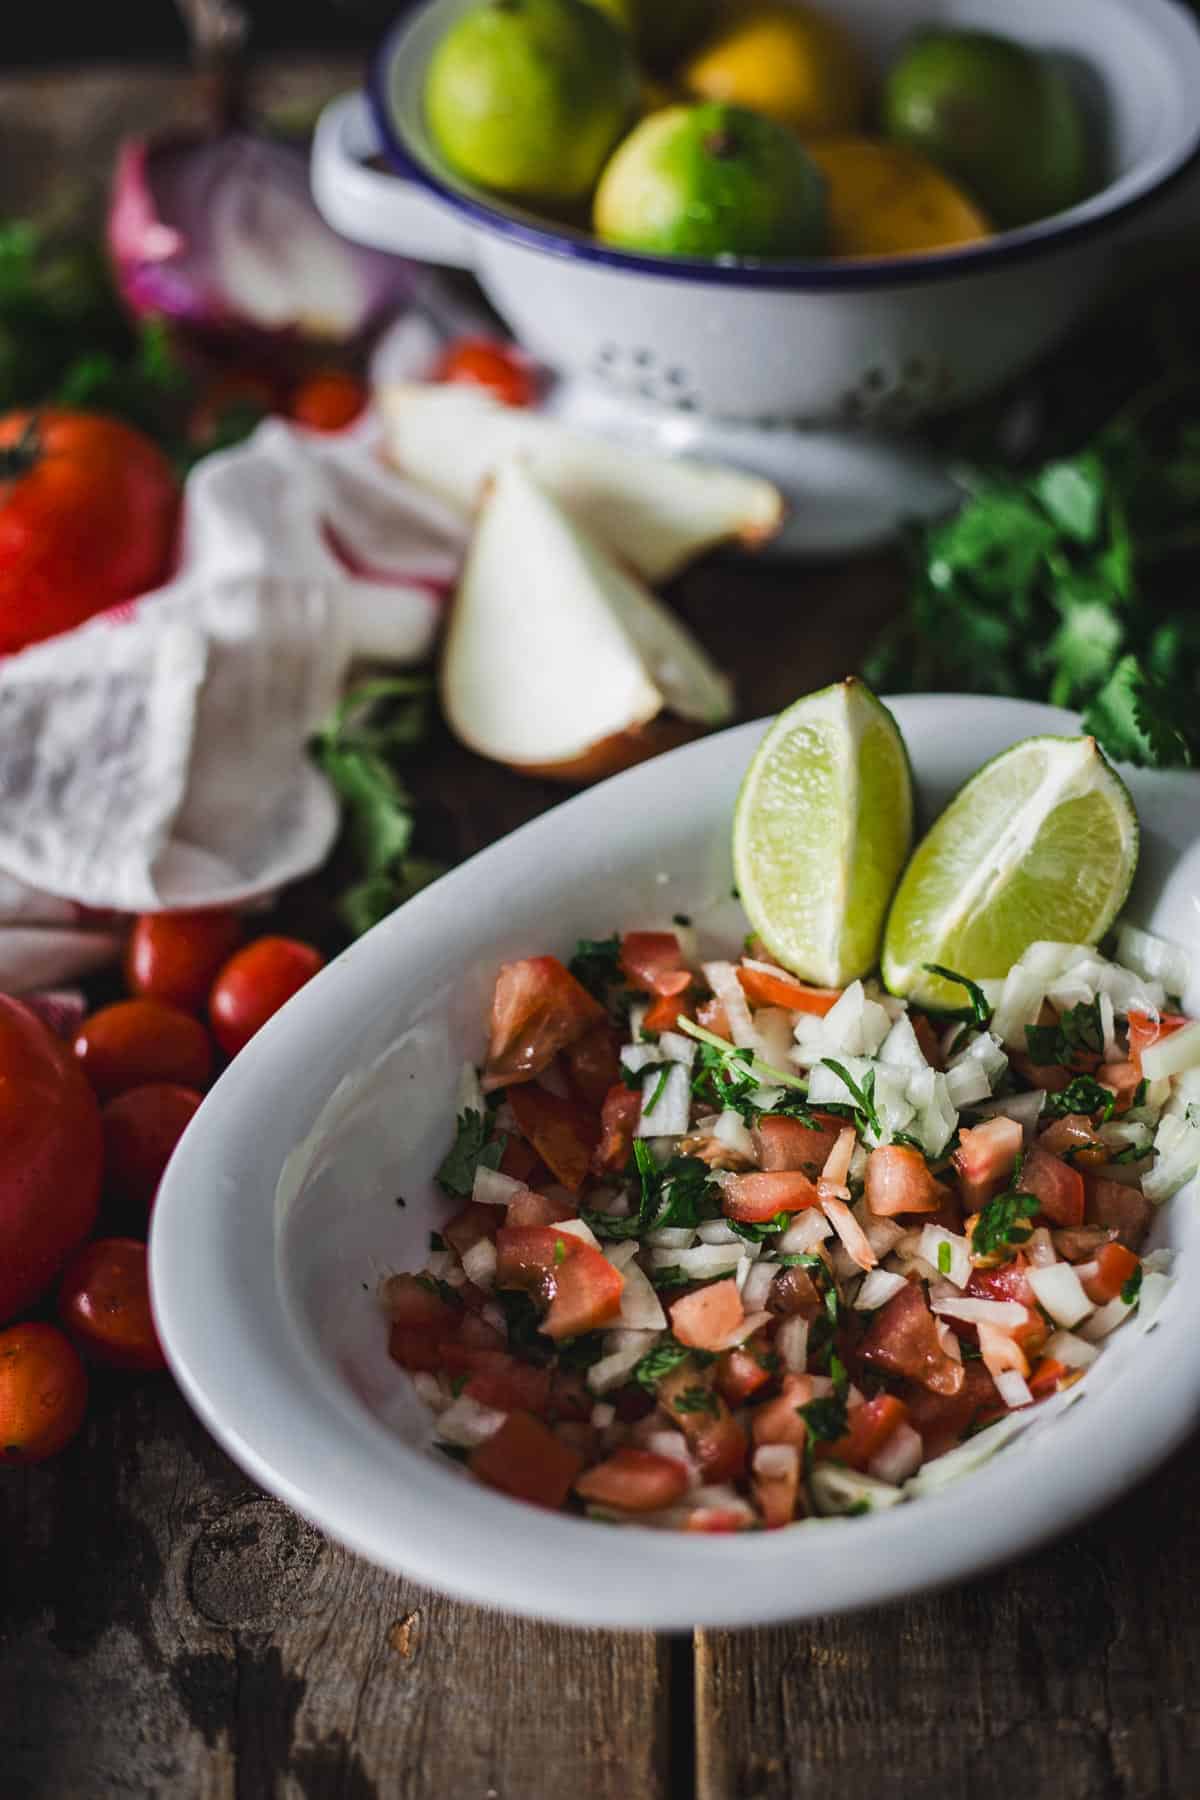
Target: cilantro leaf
x=1078 y=1029
x=696 y=1399
x=1133 y=1287
x=470 y=1150
x=659 y=1362
x=596 y=965
x=979 y=1012
x=657 y=1095
x=864 y=1097
x=1084 y=1094
x=1139 y=718
x=825 y=1418
x=1003 y=1224
x=725 y=1080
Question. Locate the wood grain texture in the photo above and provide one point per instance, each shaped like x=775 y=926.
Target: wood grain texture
x=1069 y=1675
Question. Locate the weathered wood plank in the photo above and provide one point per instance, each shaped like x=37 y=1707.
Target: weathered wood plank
x=1070 y=1674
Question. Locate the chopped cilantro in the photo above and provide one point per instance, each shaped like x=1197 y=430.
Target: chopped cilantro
x=581 y=1352
x=866 y=1117
x=657 y=1095
x=659 y=1362
x=754 y=1234
x=1079 y=1029
x=979 y=1012
x=596 y=965
x=943 y=1257
x=458 y=1384
x=436 y=1241
x=825 y=1418
x=678 y=1195
x=675 y=1276
x=859 y=1510
x=469 y=1151
x=523 y=1323
x=633 y=1078
x=1003 y=1223
x=838 y=1374
x=798 y=1259
x=1082 y=1095
x=725 y=1080
x=442 y=1289
x=1133 y=1287
x=1139 y=1094
x=696 y=1400
x=831 y=1303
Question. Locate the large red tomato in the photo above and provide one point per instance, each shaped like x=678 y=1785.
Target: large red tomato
x=87 y=517
x=51 y=1157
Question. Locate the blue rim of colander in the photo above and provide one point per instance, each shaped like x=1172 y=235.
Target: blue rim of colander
x=1041 y=239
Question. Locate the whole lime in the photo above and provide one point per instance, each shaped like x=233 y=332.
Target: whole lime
x=662 y=30
x=527 y=97
x=995 y=115
x=712 y=181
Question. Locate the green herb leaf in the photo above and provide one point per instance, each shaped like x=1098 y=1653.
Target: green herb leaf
x=657 y=1095
x=1079 y=1030
x=863 y=1097
x=1082 y=1095
x=596 y=965
x=696 y=1400
x=470 y=1150
x=659 y=1363
x=825 y=1418
x=1133 y=1287
x=1003 y=1224
x=979 y=1012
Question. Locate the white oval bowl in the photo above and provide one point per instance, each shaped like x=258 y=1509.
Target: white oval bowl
x=278 y=1215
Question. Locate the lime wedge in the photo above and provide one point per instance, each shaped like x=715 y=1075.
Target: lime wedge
x=1041 y=843
x=821 y=829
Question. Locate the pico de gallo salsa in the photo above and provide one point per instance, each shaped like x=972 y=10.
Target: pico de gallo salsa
x=725 y=1251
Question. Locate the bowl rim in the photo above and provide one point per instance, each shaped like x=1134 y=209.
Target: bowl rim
x=1027 y=243
x=270 y=1398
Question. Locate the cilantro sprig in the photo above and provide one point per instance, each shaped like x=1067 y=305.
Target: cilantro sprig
x=1082 y=1095
x=596 y=965
x=979 y=1011
x=1003 y=1223
x=1079 y=1030
x=472 y=1149
x=1132 y=1287
x=862 y=1094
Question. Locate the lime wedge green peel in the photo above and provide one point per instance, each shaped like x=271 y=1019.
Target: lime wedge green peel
x=1041 y=843
x=821 y=830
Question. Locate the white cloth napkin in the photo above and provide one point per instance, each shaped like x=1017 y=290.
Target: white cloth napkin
x=155 y=757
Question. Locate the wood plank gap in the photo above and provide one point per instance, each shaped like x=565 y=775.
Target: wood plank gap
x=681 y=1736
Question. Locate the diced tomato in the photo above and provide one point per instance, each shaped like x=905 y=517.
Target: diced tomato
x=587 y=1294
x=943 y=1419
x=1074 y=1133
x=520 y=1161
x=1114 y=1265
x=563 y=1133
x=781 y=1143
x=712 y=1015
x=898 y=1181
x=1123 y=1080
x=871 y=1425
x=527 y=1254
x=569 y=1396
x=703 y=1319
x=536 y=1209
x=1046 y=1377
x=653 y=962
x=741 y=1372
x=793 y=1291
x=1010 y=1282
x=458 y=1358
x=714 y=1437
x=515 y=1387
x=985 y=1159
x=753 y=1199
x=771 y=987
x=477 y=1334
x=927 y=1037
x=525 y=1459
x=415 y=1304
x=777 y=1494
x=469 y=1226
x=415 y=1349
x=538 y=1008
x=618 y=1122
x=668 y=1009
x=593 y=1064
x=778 y=1421
x=903 y=1339
x=1051 y=1077
x=1145 y=1030
x=1082 y=1243
x=1055 y=1185
x=1124 y=1210
x=635 y=1481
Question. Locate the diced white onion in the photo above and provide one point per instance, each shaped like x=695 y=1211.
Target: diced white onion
x=1153 y=958
x=1154 y=1290
x=722 y=979
x=614 y=1369
x=746 y=1328
x=671 y=1237
x=578 y=1228
x=838 y=1490
x=1171 y=1055
x=851 y=1233
x=467 y=1423
x=1060 y=1293
x=621 y=1252
x=882 y=1234
x=1106 y=1319
x=837 y=1163
x=636 y=1057
x=776 y=1462
x=1108 y=1029
x=936 y=1116
x=491 y=1315
x=879 y=1286
x=469 y=1096
x=641 y=1309
x=717 y=1231
x=1074 y=1352
x=429 y=1389
x=730 y=1130
x=808 y=1229
x=479 y=1263
x=964 y=1457
x=671 y=1444
x=901 y=1049
x=1040 y=1249
x=791 y=1341
x=666 y=1102
x=900 y=1456
x=491 y=1188
x=766 y=1098
x=1176 y=1153
x=966 y=1084
x=701 y=1262
x=1013 y=1389
x=929 y=1247
x=757 y=1284
x=603 y=1415
x=1005 y=1315
x=677 y=1048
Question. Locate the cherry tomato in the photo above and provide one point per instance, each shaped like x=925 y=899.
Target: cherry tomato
x=137 y=1042
x=141 y=1130
x=255 y=983
x=87 y=519
x=176 y=956
x=104 y=1304
x=51 y=1157
x=327 y=401
x=43 y=1392
x=480 y=362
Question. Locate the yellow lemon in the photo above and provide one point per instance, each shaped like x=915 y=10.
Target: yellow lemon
x=793 y=64
x=887 y=200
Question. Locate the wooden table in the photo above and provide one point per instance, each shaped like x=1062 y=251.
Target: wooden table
x=168 y=1630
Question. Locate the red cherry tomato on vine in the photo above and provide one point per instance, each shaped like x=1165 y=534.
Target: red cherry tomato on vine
x=141 y=1130
x=256 y=982
x=104 y=1305
x=175 y=957
x=327 y=401
x=43 y=1392
x=51 y=1156
x=140 y=1041
x=87 y=520
x=480 y=362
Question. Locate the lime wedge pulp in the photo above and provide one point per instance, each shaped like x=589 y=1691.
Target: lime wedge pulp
x=821 y=829
x=1041 y=843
